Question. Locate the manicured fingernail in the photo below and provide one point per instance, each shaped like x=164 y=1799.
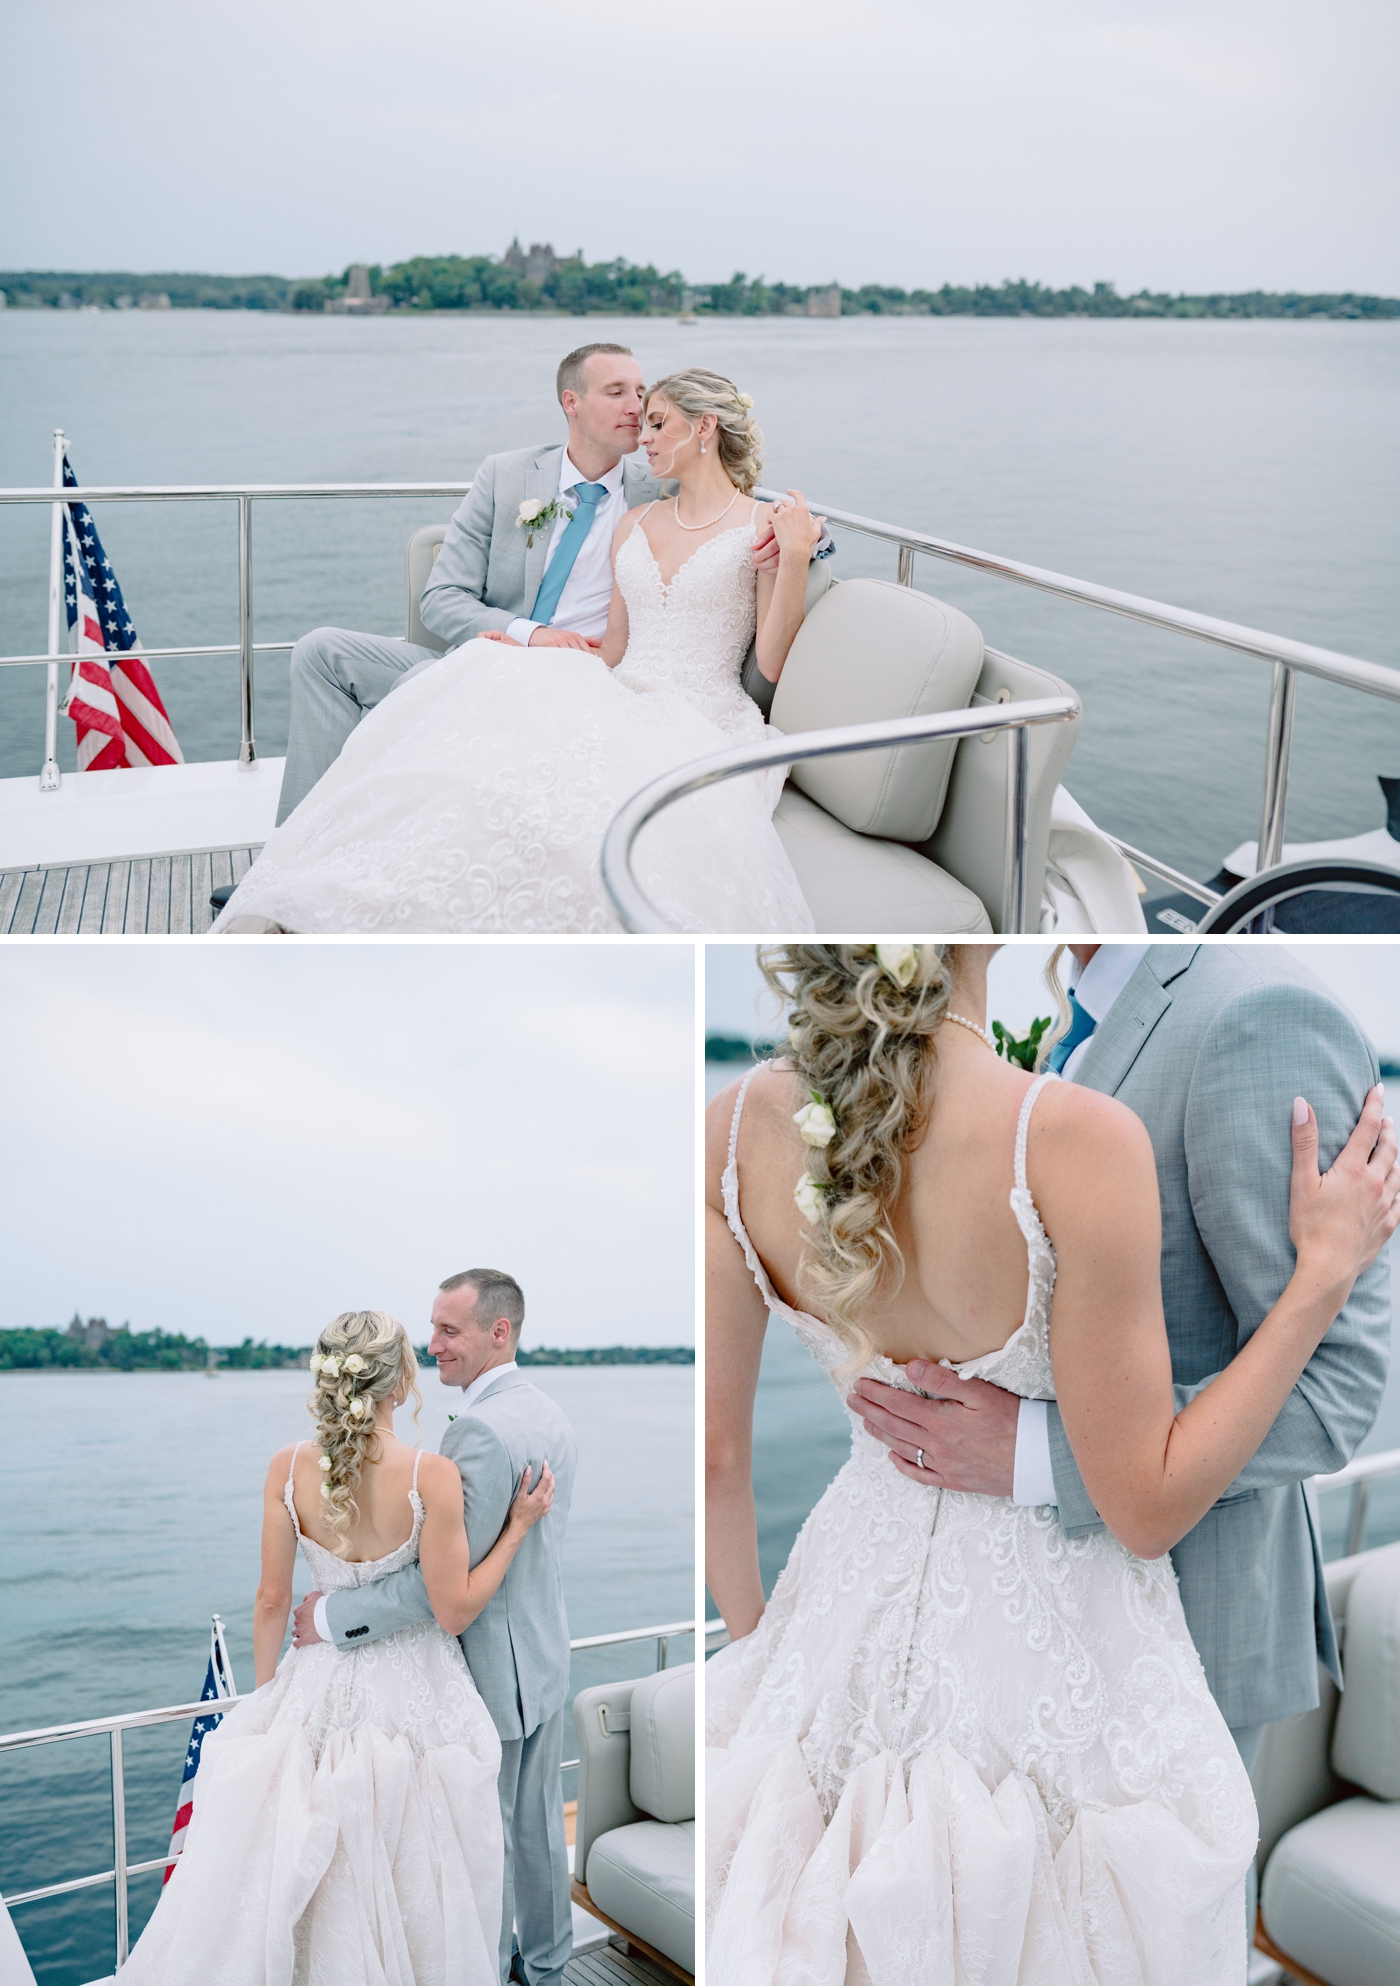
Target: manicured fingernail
x=1300 y=1111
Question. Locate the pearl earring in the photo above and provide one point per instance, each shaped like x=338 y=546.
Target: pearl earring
x=702 y=448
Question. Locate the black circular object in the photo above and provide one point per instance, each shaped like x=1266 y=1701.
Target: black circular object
x=1331 y=896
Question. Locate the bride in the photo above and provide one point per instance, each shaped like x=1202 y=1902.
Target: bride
x=475 y=798
x=346 y=1825
x=956 y=1744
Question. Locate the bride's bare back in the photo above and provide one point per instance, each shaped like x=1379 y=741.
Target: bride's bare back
x=385 y=1518
x=965 y=1268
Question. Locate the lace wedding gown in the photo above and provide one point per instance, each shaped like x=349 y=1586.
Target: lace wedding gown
x=346 y=1827
x=475 y=797
x=960 y=1746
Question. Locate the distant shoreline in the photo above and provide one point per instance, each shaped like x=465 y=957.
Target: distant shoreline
x=95 y=1347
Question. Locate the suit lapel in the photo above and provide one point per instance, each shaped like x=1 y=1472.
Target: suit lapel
x=638 y=483
x=1119 y=1038
x=541 y=480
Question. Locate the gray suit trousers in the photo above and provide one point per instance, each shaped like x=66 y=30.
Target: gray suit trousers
x=337 y=675
x=537 y=1856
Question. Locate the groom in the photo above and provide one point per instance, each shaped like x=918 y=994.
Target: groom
x=1209 y=1045
x=517 y=1648
x=549 y=587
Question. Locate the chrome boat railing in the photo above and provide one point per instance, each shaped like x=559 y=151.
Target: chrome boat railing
x=137 y=1720
x=1358 y=1477
x=636 y=909
x=1287 y=658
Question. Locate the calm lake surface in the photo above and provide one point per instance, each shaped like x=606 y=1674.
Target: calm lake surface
x=1249 y=470
x=132 y=1513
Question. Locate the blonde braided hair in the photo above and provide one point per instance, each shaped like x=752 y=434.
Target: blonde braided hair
x=863 y=1043
x=361 y=1358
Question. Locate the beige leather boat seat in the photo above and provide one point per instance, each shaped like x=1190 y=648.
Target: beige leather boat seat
x=419 y=560
x=1330 y=1898
x=634 y=1839
x=912 y=838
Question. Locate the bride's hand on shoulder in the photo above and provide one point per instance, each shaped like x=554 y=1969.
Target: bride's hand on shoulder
x=1340 y=1220
x=794 y=527
x=532 y=1503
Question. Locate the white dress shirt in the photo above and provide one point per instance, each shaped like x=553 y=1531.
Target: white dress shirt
x=1096 y=987
x=587 y=596
x=470 y=1395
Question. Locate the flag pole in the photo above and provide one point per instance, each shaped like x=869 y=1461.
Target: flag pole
x=50 y=779
x=222 y=1646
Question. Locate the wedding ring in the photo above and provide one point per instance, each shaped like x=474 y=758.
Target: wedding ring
x=918 y=1458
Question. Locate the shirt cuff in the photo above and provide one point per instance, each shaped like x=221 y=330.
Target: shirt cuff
x=1033 y=1480
x=522 y=630
x=321 y=1623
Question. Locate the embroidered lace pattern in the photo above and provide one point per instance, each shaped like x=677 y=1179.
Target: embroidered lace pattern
x=475 y=797
x=346 y=1827
x=960 y=1744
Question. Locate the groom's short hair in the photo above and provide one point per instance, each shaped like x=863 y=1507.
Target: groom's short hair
x=497 y=1295
x=569 y=378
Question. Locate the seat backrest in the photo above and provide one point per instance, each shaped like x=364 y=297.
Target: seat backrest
x=423 y=548
x=869 y=649
x=1366 y=1736
x=970 y=839
x=820 y=579
x=602 y=1725
x=662 y=1774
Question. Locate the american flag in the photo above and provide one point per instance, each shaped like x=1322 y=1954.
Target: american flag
x=218 y=1683
x=115 y=704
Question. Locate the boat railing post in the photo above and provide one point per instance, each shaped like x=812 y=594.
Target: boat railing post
x=906 y=565
x=1277 y=746
x=119 y=1845
x=1356 y=1521
x=247 y=750
x=50 y=779
x=1013 y=915
x=662 y=1648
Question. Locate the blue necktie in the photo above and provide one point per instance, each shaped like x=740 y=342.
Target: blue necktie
x=590 y=495
x=1081 y=1027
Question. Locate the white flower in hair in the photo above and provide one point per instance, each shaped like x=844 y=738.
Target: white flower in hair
x=325 y=1489
x=315 y=1361
x=745 y=401
x=330 y=1367
x=808 y=1195
x=901 y=962
x=354 y=1363
x=357 y=1407
x=815 y=1122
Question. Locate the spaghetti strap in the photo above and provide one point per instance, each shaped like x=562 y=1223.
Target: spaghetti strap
x=739 y=1111
x=416 y=1460
x=287 y=1497
x=1023 y=1123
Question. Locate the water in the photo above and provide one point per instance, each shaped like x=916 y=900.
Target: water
x=1250 y=470
x=132 y=1512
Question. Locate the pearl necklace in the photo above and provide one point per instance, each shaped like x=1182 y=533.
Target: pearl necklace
x=713 y=520
x=963 y=1021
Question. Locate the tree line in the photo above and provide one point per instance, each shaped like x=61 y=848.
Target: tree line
x=619 y=287
x=95 y=1347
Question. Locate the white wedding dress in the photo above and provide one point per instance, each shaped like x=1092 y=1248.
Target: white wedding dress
x=475 y=796
x=961 y=1747
x=346 y=1827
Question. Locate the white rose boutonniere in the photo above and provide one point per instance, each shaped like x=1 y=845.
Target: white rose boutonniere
x=815 y=1122
x=534 y=513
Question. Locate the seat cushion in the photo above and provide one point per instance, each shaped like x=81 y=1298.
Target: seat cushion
x=876 y=888
x=662 y=1770
x=869 y=650
x=643 y=1877
x=1366 y=1739
x=1330 y=1898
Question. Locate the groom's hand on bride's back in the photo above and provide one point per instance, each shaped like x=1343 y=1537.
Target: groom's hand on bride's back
x=966 y=1428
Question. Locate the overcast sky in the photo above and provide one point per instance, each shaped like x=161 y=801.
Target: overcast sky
x=1194 y=144
x=245 y=1140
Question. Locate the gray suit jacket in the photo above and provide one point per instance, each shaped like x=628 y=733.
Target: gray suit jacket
x=485 y=575
x=1209 y=1045
x=517 y=1648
